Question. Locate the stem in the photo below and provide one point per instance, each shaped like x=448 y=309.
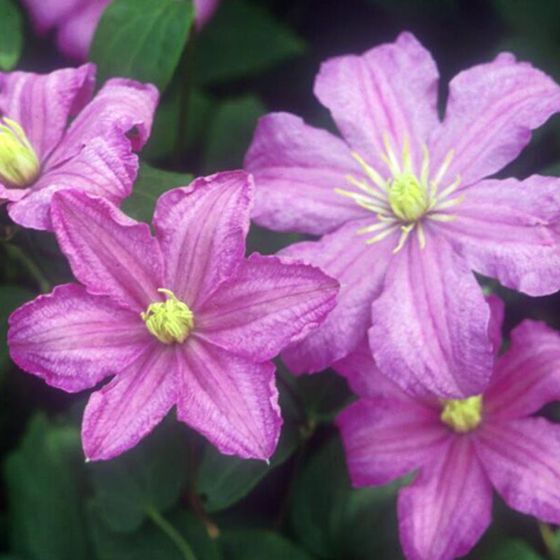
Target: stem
x=18 y=254
x=550 y=541
x=172 y=533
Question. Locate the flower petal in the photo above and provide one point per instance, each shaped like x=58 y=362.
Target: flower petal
x=386 y=438
x=424 y=337
x=391 y=89
x=202 y=230
x=42 y=103
x=522 y=459
x=118 y=416
x=265 y=306
x=204 y=10
x=360 y=269
x=72 y=339
x=232 y=401
x=491 y=111
x=109 y=253
x=508 y=230
x=497 y=312
x=444 y=512
x=47 y=13
x=527 y=376
x=296 y=169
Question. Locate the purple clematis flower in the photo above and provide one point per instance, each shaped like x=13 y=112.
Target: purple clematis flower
x=461 y=448
x=406 y=210
x=181 y=318
x=40 y=153
x=76 y=20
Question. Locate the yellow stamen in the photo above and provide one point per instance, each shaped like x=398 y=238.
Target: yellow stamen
x=462 y=415
x=19 y=165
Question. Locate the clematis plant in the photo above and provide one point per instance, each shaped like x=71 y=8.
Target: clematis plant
x=407 y=211
x=180 y=319
x=42 y=153
x=460 y=449
x=75 y=21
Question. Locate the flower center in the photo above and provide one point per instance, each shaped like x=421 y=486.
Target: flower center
x=408 y=197
x=19 y=165
x=169 y=321
x=462 y=415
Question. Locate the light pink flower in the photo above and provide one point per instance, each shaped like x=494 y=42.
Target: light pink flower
x=41 y=152
x=460 y=450
x=180 y=319
x=406 y=210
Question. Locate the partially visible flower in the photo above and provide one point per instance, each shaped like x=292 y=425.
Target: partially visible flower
x=180 y=319
x=461 y=449
x=41 y=152
x=75 y=21
x=405 y=211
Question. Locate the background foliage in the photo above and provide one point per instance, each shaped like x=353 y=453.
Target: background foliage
x=255 y=56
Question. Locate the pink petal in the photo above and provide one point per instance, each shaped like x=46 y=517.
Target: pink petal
x=296 y=169
x=42 y=103
x=360 y=270
x=497 y=311
x=48 y=13
x=231 y=400
x=491 y=111
x=204 y=10
x=386 y=438
x=265 y=306
x=445 y=511
x=118 y=416
x=527 y=376
x=522 y=459
x=202 y=230
x=109 y=253
x=431 y=323
x=391 y=89
x=508 y=230
x=72 y=339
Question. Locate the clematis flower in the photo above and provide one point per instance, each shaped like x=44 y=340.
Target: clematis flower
x=406 y=210
x=460 y=449
x=180 y=319
x=41 y=152
x=75 y=21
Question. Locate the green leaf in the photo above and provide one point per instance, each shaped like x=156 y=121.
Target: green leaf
x=142 y=39
x=11 y=34
x=512 y=549
x=150 y=476
x=243 y=39
x=258 y=545
x=11 y=297
x=150 y=185
x=42 y=479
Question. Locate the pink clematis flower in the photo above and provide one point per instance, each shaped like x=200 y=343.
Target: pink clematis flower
x=41 y=152
x=76 y=20
x=461 y=448
x=180 y=319
x=406 y=210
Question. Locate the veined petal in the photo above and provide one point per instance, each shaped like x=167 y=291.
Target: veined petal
x=202 y=230
x=527 y=376
x=73 y=339
x=360 y=269
x=386 y=438
x=424 y=336
x=231 y=400
x=265 y=306
x=444 y=512
x=128 y=408
x=490 y=113
x=508 y=229
x=109 y=253
x=391 y=89
x=522 y=459
x=297 y=169
x=43 y=103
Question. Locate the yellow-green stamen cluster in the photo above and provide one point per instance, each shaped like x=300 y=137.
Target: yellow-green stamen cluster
x=462 y=415
x=19 y=165
x=408 y=198
x=169 y=321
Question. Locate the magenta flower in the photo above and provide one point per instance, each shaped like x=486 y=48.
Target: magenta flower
x=41 y=153
x=461 y=448
x=179 y=319
x=75 y=21
x=405 y=210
